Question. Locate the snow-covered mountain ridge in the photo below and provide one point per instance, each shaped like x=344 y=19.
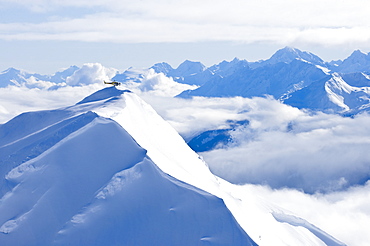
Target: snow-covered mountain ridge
x=287 y=72
x=283 y=75
x=109 y=170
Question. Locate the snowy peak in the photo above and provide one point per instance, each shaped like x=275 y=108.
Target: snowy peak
x=16 y=77
x=60 y=77
x=102 y=171
x=356 y=62
x=188 y=72
x=274 y=79
x=11 y=71
x=72 y=175
x=12 y=76
x=358 y=56
x=332 y=95
x=130 y=75
x=185 y=69
x=289 y=54
x=226 y=68
x=89 y=73
x=162 y=67
x=110 y=93
x=188 y=68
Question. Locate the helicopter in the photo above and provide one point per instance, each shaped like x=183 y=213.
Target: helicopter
x=114 y=83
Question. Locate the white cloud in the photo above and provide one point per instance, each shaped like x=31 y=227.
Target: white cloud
x=282 y=146
x=344 y=215
x=16 y=100
x=310 y=152
x=193 y=116
x=91 y=73
x=160 y=85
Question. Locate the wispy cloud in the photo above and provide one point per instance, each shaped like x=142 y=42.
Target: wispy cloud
x=283 y=22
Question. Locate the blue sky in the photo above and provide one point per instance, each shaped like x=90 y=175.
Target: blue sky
x=44 y=36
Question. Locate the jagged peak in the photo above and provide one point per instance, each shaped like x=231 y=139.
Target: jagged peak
x=287 y=50
x=188 y=68
x=193 y=64
x=162 y=67
x=66 y=71
x=357 y=54
x=11 y=70
x=290 y=49
x=165 y=64
x=288 y=54
x=236 y=59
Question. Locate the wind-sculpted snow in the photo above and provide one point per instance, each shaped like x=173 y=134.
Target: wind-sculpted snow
x=110 y=93
x=29 y=123
x=295 y=221
x=63 y=179
x=150 y=208
x=24 y=145
x=85 y=181
x=115 y=172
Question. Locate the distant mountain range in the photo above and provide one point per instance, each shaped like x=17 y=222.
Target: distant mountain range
x=13 y=76
x=297 y=78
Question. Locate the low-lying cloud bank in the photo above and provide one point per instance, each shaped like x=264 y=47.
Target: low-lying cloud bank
x=16 y=100
x=281 y=146
x=309 y=152
x=345 y=215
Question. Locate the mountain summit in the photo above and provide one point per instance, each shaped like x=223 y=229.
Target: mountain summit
x=78 y=177
x=287 y=55
x=109 y=170
x=356 y=62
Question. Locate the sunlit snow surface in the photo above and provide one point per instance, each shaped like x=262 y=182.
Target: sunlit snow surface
x=97 y=173
x=73 y=177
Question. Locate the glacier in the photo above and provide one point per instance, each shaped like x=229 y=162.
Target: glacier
x=109 y=170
